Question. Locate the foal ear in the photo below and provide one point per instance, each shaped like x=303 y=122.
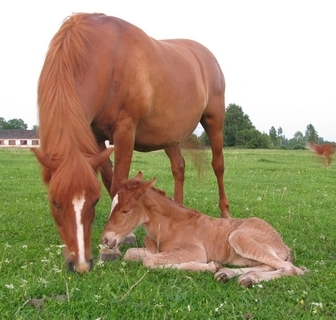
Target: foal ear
x=138 y=177
x=98 y=159
x=142 y=187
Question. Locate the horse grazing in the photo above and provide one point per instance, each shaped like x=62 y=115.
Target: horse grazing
x=105 y=79
x=323 y=150
x=181 y=238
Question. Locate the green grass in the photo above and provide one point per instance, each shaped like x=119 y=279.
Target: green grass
x=289 y=189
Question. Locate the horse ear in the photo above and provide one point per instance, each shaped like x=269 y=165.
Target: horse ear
x=44 y=159
x=97 y=160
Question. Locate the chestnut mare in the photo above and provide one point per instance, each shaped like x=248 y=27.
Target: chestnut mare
x=105 y=79
x=323 y=150
x=181 y=238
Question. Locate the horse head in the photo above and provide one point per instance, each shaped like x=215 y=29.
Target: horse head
x=74 y=191
x=124 y=216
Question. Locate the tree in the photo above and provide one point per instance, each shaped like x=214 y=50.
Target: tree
x=13 y=124
x=235 y=121
x=273 y=135
x=2 y=123
x=280 y=136
x=252 y=139
x=298 y=136
x=311 y=134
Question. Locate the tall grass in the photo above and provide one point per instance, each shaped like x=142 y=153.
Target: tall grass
x=289 y=189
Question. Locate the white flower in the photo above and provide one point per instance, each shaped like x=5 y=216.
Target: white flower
x=9 y=286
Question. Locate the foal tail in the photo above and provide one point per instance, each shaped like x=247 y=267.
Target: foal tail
x=289 y=255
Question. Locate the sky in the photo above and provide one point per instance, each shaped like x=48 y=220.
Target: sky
x=278 y=56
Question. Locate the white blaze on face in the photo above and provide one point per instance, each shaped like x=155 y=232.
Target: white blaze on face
x=78 y=204
x=114 y=203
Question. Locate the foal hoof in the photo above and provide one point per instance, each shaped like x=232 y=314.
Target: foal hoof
x=109 y=254
x=222 y=277
x=246 y=282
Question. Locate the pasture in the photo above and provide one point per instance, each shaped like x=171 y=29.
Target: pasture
x=289 y=189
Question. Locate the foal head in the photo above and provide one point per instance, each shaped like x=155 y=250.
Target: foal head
x=125 y=214
x=74 y=190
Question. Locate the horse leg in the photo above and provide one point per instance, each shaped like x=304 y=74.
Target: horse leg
x=106 y=171
x=213 y=128
x=123 y=143
x=177 y=166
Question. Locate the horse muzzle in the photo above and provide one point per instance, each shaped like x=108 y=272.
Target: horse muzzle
x=80 y=267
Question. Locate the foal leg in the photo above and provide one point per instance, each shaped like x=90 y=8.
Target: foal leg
x=254 y=248
x=177 y=166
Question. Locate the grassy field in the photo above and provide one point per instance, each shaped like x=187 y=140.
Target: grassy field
x=289 y=189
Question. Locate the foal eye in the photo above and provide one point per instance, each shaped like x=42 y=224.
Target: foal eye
x=125 y=211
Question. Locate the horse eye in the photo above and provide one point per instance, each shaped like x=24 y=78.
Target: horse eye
x=56 y=205
x=125 y=211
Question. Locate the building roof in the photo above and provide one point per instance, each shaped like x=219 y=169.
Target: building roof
x=19 y=134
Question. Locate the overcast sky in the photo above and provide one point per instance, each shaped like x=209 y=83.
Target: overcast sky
x=278 y=57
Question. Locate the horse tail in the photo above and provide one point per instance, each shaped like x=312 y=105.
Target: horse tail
x=61 y=117
x=194 y=152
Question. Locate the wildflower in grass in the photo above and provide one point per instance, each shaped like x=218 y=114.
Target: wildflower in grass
x=24 y=246
x=322 y=237
x=9 y=286
x=100 y=263
x=7 y=246
x=189 y=308
x=24 y=283
x=55 y=269
x=6 y=261
x=259 y=198
x=317 y=306
x=44 y=281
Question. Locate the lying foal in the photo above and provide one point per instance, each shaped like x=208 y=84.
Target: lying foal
x=181 y=238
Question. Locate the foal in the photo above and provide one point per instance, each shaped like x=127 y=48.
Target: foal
x=323 y=150
x=181 y=238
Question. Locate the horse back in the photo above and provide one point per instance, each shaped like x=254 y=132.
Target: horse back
x=135 y=80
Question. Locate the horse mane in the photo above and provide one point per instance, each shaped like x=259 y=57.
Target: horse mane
x=63 y=123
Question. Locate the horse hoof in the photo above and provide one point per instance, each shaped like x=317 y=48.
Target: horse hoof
x=109 y=254
x=130 y=239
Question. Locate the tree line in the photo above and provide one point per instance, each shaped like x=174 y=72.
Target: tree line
x=239 y=131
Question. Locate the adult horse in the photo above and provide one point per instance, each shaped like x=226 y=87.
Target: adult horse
x=105 y=79
x=323 y=150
